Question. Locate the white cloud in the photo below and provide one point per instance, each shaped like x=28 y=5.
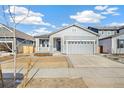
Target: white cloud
x=64 y=24
x=112 y=10
x=40 y=31
x=116 y=24
x=53 y=26
x=107 y=10
x=29 y=20
x=87 y=16
x=101 y=8
x=50 y=25
x=34 y=18
x=22 y=11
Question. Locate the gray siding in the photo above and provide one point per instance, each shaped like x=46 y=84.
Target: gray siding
x=5 y=33
x=8 y=32
x=116 y=50
x=6 y=39
x=107 y=45
x=121 y=31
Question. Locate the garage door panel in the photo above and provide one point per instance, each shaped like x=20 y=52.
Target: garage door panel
x=80 y=47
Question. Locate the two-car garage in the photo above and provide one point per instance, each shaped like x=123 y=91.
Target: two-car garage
x=80 y=47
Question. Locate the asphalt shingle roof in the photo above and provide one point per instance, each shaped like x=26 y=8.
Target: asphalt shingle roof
x=6 y=31
x=106 y=28
x=47 y=35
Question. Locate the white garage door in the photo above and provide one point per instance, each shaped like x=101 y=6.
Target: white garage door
x=80 y=47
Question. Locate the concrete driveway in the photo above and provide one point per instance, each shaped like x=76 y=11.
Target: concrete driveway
x=92 y=61
x=98 y=71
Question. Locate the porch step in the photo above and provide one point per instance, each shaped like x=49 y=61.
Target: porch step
x=57 y=54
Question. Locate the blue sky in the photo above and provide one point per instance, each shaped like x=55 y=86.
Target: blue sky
x=44 y=19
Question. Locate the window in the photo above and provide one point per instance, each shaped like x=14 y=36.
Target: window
x=109 y=33
x=91 y=42
x=120 y=43
x=75 y=42
x=78 y=42
x=72 y=42
x=69 y=42
x=87 y=42
x=47 y=42
x=43 y=43
x=84 y=42
x=102 y=32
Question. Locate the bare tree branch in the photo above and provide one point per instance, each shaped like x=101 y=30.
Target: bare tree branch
x=13 y=18
x=24 y=17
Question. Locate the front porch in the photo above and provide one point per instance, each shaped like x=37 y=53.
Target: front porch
x=44 y=45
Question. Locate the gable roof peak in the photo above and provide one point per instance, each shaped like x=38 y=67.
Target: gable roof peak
x=76 y=25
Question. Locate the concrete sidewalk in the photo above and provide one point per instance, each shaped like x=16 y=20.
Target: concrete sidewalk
x=74 y=72
x=93 y=77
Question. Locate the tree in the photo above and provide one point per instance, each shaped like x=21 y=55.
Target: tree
x=14 y=23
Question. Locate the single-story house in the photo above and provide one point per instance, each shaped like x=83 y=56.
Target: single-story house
x=72 y=39
x=6 y=39
x=113 y=44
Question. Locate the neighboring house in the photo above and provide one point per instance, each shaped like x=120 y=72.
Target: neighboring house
x=107 y=31
x=6 y=39
x=121 y=30
x=71 y=39
x=113 y=44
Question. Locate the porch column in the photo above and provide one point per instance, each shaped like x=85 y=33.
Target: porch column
x=12 y=47
x=37 y=44
x=97 y=46
x=51 y=44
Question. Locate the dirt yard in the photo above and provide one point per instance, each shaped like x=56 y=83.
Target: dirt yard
x=117 y=58
x=57 y=83
x=43 y=62
x=52 y=62
x=11 y=57
x=40 y=62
